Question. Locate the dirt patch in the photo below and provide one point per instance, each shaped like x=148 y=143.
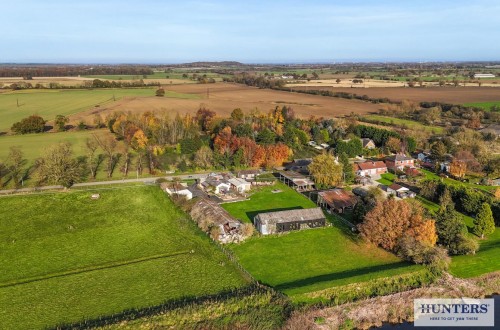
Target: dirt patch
x=455 y=95
x=224 y=98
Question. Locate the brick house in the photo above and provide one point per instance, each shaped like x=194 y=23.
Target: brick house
x=399 y=162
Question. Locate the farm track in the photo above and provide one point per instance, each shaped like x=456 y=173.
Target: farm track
x=108 y=265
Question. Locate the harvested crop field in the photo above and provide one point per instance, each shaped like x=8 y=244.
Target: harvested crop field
x=455 y=95
x=224 y=98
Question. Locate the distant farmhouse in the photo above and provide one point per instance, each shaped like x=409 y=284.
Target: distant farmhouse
x=283 y=221
x=484 y=75
x=337 y=200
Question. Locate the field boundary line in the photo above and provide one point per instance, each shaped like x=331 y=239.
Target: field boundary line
x=92 y=268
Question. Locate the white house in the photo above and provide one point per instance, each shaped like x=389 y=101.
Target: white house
x=240 y=185
x=179 y=189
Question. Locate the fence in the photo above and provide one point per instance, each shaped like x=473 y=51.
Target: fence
x=132 y=314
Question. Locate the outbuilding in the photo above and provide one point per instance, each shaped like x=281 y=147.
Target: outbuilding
x=283 y=221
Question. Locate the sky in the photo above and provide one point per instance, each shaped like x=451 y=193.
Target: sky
x=154 y=31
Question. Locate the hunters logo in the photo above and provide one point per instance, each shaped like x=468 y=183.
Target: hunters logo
x=463 y=312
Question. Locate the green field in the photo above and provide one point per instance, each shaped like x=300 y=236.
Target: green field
x=484 y=105
x=50 y=103
x=308 y=260
x=406 y=122
x=33 y=145
x=316 y=259
x=431 y=175
x=66 y=257
x=265 y=201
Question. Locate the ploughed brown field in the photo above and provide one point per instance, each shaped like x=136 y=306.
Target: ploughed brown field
x=454 y=95
x=225 y=97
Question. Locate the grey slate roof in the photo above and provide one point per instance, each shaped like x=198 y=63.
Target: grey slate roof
x=291 y=215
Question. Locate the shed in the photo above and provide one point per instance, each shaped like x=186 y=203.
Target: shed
x=337 y=200
x=283 y=221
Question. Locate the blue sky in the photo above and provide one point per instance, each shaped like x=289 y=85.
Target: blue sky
x=154 y=31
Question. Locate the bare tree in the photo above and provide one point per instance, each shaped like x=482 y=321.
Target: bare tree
x=108 y=145
x=126 y=162
x=139 y=162
x=15 y=163
x=93 y=158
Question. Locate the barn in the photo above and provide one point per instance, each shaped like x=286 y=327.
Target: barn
x=283 y=221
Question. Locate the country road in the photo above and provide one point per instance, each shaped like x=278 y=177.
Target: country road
x=101 y=183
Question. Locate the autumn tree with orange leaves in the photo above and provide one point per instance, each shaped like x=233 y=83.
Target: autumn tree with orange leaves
x=390 y=220
x=276 y=155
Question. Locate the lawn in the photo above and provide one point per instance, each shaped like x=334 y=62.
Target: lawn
x=484 y=105
x=387 y=179
x=264 y=200
x=406 y=122
x=316 y=259
x=486 y=260
x=66 y=257
x=308 y=260
x=49 y=103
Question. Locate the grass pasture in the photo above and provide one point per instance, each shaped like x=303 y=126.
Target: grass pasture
x=411 y=124
x=33 y=145
x=266 y=201
x=309 y=260
x=66 y=257
x=316 y=259
x=50 y=103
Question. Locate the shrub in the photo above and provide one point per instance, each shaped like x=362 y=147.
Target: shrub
x=160 y=92
x=31 y=124
x=435 y=258
x=464 y=245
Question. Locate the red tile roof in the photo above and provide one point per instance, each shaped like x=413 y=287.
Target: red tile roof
x=371 y=165
x=339 y=198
